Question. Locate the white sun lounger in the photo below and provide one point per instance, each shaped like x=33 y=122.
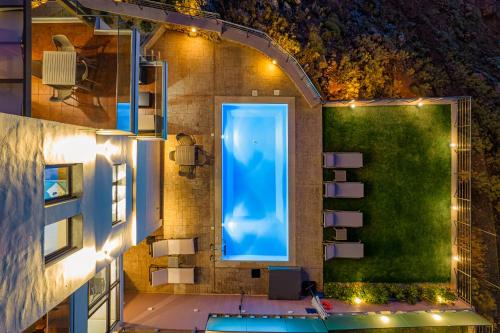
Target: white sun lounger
x=352 y=250
x=181 y=275
x=343 y=190
x=342 y=218
x=172 y=247
x=342 y=160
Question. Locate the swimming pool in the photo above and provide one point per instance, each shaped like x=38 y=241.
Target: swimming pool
x=254 y=182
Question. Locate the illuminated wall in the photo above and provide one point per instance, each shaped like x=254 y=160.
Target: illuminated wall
x=29 y=288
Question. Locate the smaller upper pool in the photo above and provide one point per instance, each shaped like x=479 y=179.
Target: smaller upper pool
x=255 y=182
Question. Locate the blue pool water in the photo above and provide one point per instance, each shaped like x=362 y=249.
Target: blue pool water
x=255 y=182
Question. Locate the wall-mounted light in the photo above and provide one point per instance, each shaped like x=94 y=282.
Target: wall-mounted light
x=454 y=207
x=274 y=62
x=70 y=149
x=107 y=149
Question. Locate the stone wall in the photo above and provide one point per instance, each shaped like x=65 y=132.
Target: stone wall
x=199 y=70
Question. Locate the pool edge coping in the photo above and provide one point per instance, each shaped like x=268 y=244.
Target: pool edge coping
x=218 y=101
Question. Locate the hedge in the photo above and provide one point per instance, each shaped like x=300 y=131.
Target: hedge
x=383 y=293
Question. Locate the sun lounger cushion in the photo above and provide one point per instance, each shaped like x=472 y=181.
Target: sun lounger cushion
x=169 y=247
x=344 y=250
x=159 y=277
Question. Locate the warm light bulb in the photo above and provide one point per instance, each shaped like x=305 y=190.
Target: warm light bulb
x=439 y=299
x=274 y=62
x=456 y=258
x=453 y=145
x=420 y=104
x=437 y=317
x=384 y=319
x=193 y=29
x=357 y=300
x=454 y=207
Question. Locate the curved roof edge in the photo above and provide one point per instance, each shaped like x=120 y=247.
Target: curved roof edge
x=228 y=31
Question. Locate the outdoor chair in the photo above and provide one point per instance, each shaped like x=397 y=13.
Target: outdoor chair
x=352 y=250
x=342 y=218
x=201 y=157
x=171 y=155
x=36 y=68
x=184 y=139
x=62 y=43
x=61 y=94
x=342 y=160
x=188 y=171
x=343 y=190
x=160 y=275
x=169 y=247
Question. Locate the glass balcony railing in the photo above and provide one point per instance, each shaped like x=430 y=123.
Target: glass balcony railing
x=85 y=70
x=14 y=54
x=152 y=121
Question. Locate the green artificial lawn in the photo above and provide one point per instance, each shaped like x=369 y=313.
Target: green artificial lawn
x=406 y=208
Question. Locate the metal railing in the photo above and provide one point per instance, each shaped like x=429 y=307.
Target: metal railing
x=271 y=42
x=462 y=199
x=193 y=12
x=483 y=329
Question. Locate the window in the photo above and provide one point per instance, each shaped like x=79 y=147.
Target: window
x=57 y=239
x=104 y=299
x=56 y=320
x=57 y=183
x=119 y=193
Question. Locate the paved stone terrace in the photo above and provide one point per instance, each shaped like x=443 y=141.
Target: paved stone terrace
x=199 y=70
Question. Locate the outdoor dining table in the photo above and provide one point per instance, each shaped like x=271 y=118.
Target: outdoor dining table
x=59 y=68
x=185 y=155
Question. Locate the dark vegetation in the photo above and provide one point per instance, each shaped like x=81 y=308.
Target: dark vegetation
x=383 y=293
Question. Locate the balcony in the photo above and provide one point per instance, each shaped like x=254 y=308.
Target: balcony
x=108 y=86
x=82 y=71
